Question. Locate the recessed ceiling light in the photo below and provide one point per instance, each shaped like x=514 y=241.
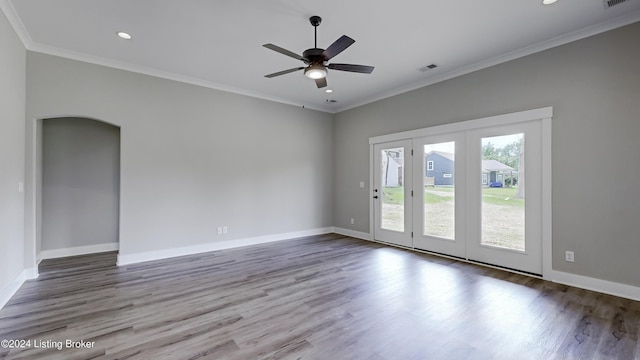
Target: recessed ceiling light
x=328 y=91
x=124 y=35
x=548 y=2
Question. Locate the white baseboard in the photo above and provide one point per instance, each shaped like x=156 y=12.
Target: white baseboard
x=79 y=250
x=589 y=283
x=579 y=281
x=127 y=259
x=7 y=293
x=352 y=233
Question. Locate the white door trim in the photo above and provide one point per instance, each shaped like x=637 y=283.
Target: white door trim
x=505 y=119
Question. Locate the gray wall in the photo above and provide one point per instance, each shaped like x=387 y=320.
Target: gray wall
x=12 y=153
x=192 y=158
x=594 y=87
x=80 y=183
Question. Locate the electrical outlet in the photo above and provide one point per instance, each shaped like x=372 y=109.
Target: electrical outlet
x=353 y=221
x=225 y=229
x=568 y=256
x=219 y=230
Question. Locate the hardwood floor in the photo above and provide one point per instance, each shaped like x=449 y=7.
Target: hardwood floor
x=322 y=297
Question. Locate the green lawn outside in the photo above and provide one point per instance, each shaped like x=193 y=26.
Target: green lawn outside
x=501 y=196
x=393 y=195
x=497 y=196
x=502 y=215
x=430 y=198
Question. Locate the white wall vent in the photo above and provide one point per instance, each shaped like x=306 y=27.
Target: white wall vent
x=610 y=3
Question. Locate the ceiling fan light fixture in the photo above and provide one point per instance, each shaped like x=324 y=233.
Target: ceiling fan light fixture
x=316 y=59
x=315 y=71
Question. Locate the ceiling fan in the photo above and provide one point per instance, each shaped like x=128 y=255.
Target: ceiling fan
x=316 y=58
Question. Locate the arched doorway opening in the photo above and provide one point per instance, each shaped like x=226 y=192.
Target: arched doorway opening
x=79 y=201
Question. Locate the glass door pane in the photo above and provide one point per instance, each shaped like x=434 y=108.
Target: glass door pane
x=502 y=184
x=439 y=190
x=392 y=192
x=392 y=184
x=439 y=200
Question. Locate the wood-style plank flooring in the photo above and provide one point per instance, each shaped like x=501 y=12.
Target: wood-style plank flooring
x=322 y=297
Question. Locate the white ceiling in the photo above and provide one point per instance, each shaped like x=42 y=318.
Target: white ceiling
x=218 y=43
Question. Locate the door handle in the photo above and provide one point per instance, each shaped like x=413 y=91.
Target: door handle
x=375 y=197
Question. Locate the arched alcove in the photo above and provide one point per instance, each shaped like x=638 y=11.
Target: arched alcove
x=79 y=187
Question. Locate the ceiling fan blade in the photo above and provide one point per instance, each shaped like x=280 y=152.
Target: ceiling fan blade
x=283 y=72
x=337 y=47
x=285 y=52
x=321 y=82
x=364 y=69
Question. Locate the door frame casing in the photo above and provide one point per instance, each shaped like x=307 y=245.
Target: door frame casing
x=544 y=115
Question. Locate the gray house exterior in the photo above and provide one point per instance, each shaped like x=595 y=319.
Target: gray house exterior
x=439 y=169
x=439 y=166
x=494 y=171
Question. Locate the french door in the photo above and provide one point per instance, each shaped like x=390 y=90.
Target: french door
x=474 y=194
x=392 y=192
x=439 y=206
x=505 y=196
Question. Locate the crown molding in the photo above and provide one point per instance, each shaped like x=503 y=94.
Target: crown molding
x=620 y=21
x=144 y=70
x=20 y=30
x=11 y=14
x=29 y=44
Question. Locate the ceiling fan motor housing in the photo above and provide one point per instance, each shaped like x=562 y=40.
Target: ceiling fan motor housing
x=314 y=55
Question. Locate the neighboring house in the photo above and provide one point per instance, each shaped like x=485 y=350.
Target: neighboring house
x=392 y=165
x=494 y=171
x=439 y=169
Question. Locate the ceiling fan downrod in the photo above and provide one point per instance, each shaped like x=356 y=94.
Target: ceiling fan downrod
x=315 y=22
